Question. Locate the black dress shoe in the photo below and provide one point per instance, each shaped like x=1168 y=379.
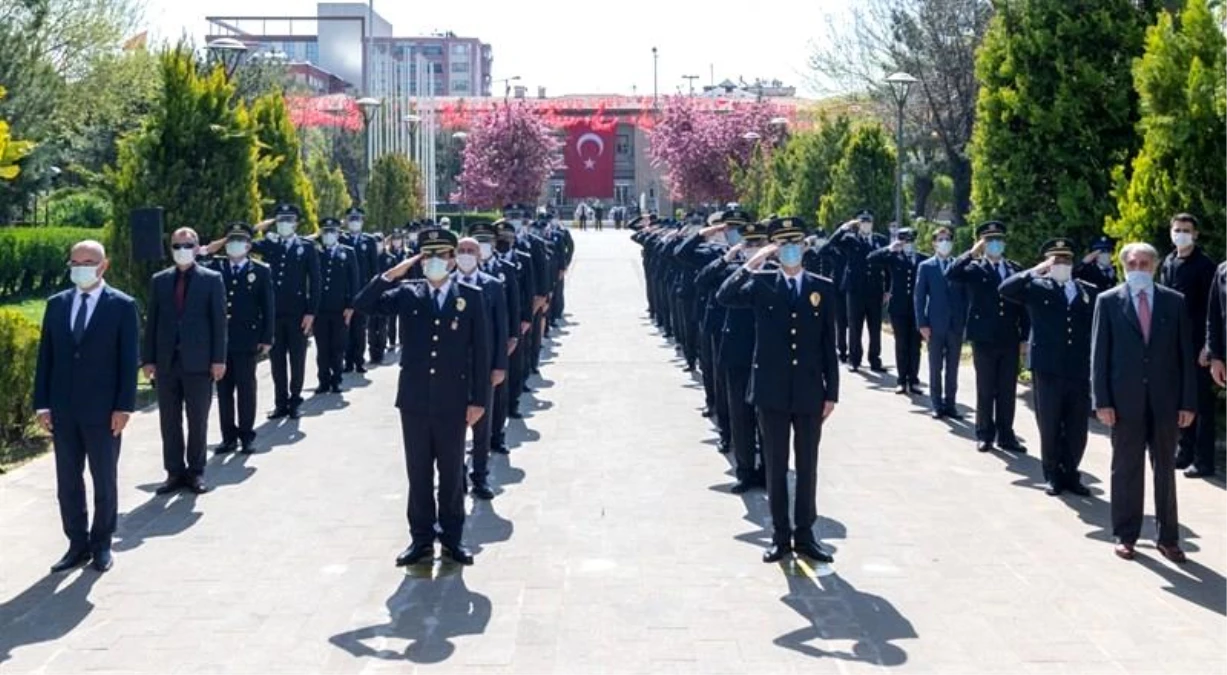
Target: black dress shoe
x=1012 y=446
x=323 y=389
x=741 y=487
x=984 y=446
x=516 y=415
x=1195 y=472
x=708 y=412
x=171 y=484
x=500 y=449
x=71 y=560
x=196 y=485
x=349 y=367
x=776 y=553
x=294 y=413
x=723 y=447
x=1051 y=489
x=1184 y=460
x=901 y=389
x=248 y=447
x=415 y=554
x=954 y=414
x=336 y=389
x=854 y=369
x=938 y=414
x=360 y=368
x=810 y=550
x=482 y=491
x=459 y=555
x=914 y=388
x=103 y=560
x=225 y=447
x=278 y=413
x=1079 y=489
x=877 y=368
x=843 y=358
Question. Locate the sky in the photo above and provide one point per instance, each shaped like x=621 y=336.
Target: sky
x=581 y=48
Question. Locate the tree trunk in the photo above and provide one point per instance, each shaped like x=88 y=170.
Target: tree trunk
x=922 y=187
x=960 y=173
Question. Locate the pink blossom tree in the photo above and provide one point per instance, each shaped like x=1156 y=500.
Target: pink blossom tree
x=700 y=146
x=509 y=155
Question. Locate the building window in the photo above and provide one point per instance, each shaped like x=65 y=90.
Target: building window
x=623 y=145
x=557 y=189
x=460 y=49
x=313 y=52
x=622 y=193
x=460 y=66
x=432 y=50
x=460 y=86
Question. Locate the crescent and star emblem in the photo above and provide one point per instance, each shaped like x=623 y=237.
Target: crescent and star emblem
x=589 y=163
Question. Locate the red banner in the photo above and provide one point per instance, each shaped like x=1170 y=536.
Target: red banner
x=589 y=157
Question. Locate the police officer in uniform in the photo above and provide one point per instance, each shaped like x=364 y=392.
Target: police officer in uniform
x=900 y=260
x=444 y=382
x=366 y=253
x=1060 y=309
x=697 y=252
x=1097 y=268
x=828 y=261
x=338 y=286
x=382 y=329
x=249 y=334
x=508 y=273
x=295 y=267
x=519 y=262
x=795 y=380
x=995 y=329
x=863 y=284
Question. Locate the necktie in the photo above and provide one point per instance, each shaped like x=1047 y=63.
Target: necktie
x=78 y=322
x=1144 y=315
x=945 y=265
x=434 y=297
x=180 y=290
x=794 y=287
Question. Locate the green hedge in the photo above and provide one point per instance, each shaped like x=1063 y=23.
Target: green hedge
x=35 y=259
x=18 y=353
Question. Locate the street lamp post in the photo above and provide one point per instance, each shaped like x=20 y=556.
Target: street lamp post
x=655 y=58
x=229 y=52
x=368 y=106
x=690 y=80
x=900 y=84
x=54 y=172
x=412 y=120
x=507 y=86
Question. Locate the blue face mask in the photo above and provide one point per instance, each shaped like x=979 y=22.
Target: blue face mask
x=790 y=255
x=995 y=248
x=733 y=237
x=1139 y=280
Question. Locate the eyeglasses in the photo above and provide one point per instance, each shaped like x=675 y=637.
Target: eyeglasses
x=183 y=247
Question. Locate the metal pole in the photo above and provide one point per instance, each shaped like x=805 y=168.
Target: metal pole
x=654 y=88
x=899 y=167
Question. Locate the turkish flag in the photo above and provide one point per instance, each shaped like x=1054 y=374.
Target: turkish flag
x=589 y=157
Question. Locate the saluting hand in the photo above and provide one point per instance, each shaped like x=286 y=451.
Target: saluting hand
x=1043 y=268
x=761 y=256
x=402 y=268
x=732 y=253
x=307 y=322
x=978 y=250
x=347 y=314
x=712 y=229
x=1090 y=257
x=896 y=246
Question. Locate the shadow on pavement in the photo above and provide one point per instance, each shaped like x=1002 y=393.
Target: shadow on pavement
x=485 y=526
x=836 y=610
x=45 y=611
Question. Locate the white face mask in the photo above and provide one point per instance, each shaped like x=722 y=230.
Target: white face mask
x=285 y=228
x=236 y=249
x=329 y=238
x=1104 y=259
x=84 y=276
x=1139 y=280
x=486 y=251
x=866 y=227
x=1060 y=272
x=355 y=226
x=909 y=247
x=1182 y=239
x=183 y=256
x=943 y=246
x=467 y=262
x=435 y=269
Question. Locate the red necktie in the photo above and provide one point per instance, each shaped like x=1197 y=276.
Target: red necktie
x=180 y=288
x=1144 y=315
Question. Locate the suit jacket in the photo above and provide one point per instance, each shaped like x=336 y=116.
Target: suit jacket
x=1216 y=320
x=990 y=319
x=87 y=382
x=1060 y=342
x=795 y=368
x=198 y=336
x=445 y=355
x=295 y=270
x=860 y=278
x=900 y=268
x=940 y=304
x=496 y=314
x=1129 y=374
x=339 y=281
x=249 y=305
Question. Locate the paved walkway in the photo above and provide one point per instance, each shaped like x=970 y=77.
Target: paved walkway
x=613 y=546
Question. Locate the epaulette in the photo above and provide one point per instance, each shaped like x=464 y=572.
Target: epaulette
x=473 y=287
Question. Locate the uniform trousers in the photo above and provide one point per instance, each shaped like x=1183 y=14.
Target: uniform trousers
x=707 y=370
x=238 y=421
x=742 y=426
x=806 y=432
x=502 y=405
x=482 y=432
x=433 y=441
x=841 y=324
x=331 y=334
x=355 y=344
x=907 y=347
x=1061 y=407
x=864 y=308
x=377 y=337
x=183 y=395
x=1132 y=437
x=76 y=443
x=996 y=387
x=289 y=352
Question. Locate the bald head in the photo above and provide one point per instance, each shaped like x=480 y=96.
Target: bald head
x=468 y=245
x=88 y=251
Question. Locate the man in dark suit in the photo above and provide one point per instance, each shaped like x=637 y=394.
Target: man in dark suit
x=1143 y=386
x=366 y=255
x=1216 y=326
x=185 y=353
x=863 y=284
x=295 y=268
x=84 y=393
x=996 y=329
x=1060 y=308
x=468 y=273
x=1188 y=270
x=249 y=334
x=900 y=261
x=338 y=286
x=443 y=387
x=941 y=318
x=795 y=381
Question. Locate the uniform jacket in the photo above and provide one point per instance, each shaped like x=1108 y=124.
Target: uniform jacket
x=991 y=320
x=508 y=272
x=366 y=252
x=295 y=268
x=249 y=305
x=338 y=279
x=495 y=294
x=445 y=356
x=1060 y=342
x=860 y=278
x=87 y=382
x=795 y=368
x=198 y=336
x=1127 y=373
x=900 y=268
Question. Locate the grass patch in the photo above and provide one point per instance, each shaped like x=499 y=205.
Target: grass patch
x=13 y=455
x=30 y=308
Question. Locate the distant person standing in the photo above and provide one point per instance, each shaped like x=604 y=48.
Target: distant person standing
x=864 y=286
x=598 y=216
x=338 y=286
x=900 y=261
x=941 y=318
x=1216 y=326
x=581 y=214
x=84 y=393
x=185 y=353
x=1143 y=386
x=366 y=257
